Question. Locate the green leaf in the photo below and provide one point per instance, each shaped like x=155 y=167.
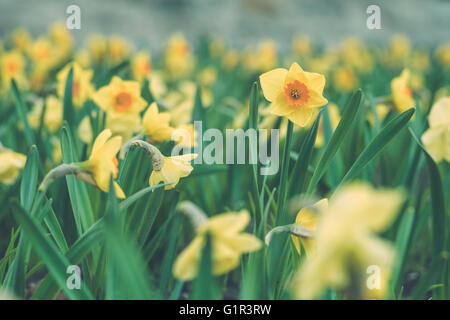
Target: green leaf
x=336 y=140
x=138 y=195
x=79 y=198
x=378 y=143
x=22 y=113
x=55 y=262
x=67 y=101
x=205 y=287
x=28 y=185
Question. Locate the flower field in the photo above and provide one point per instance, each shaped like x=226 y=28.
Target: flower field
x=209 y=172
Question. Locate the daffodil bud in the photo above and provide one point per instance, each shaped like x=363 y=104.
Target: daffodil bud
x=155 y=154
x=194 y=213
x=295 y=229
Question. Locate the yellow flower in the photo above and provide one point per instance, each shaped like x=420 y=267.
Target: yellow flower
x=401 y=92
x=228 y=244
x=120 y=96
x=157 y=85
x=443 y=54
x=308 y=217
x=12 y=66
x=124 y=125
x=178 y=57
x=399 y=50
x=437 y=138
x=41 y=53
x=141 y=66
x=346 y=243
x=207 y=77
x=185 y=135
x=82 y=88
x=230 y=60
x=103 y=163
x=84 y=130
x=21 y=39
x=382 y=110
x=11 y=163
x=345 y=79
x=302 y=45
x=333 y=113
x=97 y=45
x=156 y=124
x=53 y=114
x=295 y=94
x=82 y=58
x=118 y=49
x=173 y=169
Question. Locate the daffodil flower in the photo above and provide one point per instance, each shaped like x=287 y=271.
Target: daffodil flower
x=437 y=138
x=169 y=170
x=11 y=163
x=294 y=93
x=98 y=169
x=401 y=92
x=346 y=243
x=120 y=96
x=82 y=89
x=155 y=124
x=229 y=242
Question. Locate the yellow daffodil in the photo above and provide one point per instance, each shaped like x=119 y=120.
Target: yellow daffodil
x=228 y=243
x=443 y=54
x=437 y=138
x=185 y=135
x=302 y=46
x=398 y=52
x=141 y=66
x=41 y=53
x=294 y=93
x=83 y=58
x=156 y=124
x=11 y=163
x=344 y=79
x=230 y=60
x=173 y=169
x=308 y=217
x=97 y=46
x=21 y=39
x=207 y=77
x=401 y=92
x=333 y=113
x=120 y=96
x=84 y=130
x=124 y=125
x=118 y=49
x=53 y=114
x=82 y=88
x=12 y=66
x=346 y=243
x=178 y=57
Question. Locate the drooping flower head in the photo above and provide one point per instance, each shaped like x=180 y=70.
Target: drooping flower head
x=294 y=93
x=173 y=169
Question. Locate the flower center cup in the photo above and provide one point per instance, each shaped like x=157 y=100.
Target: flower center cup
x=116 y=167
x=407 y=92
x=122 y=101
x=75 y=88
x=296 y=93
x=11 y=67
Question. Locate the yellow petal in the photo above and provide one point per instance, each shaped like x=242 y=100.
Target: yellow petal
x=295 y=73
x=302 y=116
x=118 y=190
x=228 y=222
x=101 y=140
x=186 y=265
x=280 y=106
x=272 y=83
x=316 y=81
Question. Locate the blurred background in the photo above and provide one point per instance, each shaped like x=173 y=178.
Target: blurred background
x=239 y=22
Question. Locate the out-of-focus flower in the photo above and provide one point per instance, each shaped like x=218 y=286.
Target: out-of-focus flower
x=141 y=66
x=216 y=47
x=228 y=243
x=178 y=57
x=157 y=85
x=346 y=244
x=230 y=60
x=308 y=217
x=123 y=125
x=97 y=45
x=82 y=88
x=83 y=58
x=382 y=110
x=155 y=124
x=398 y=52
x=420 y=60
x=53 y=114
x=437 y=138
x=344 y=79
x=401 y=92
x=355 y=55
x=333 y=113
x=12 y=65
x=295 y=94
x=185 y=135
x=443 y=54
x=267 y=55
x=120 y=96
x=41 y=53
x=301 y=46
x=62 y=40
x=11 y=164
x=84 y=130
x=207 y=77
x=21 y=39
x=118 y=49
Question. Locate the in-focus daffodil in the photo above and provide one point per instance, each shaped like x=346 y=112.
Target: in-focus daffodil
x=346 y=243
x=228 y=241
x=120 y=96
x=82 y=88
x=294 y=93
x=437 y=138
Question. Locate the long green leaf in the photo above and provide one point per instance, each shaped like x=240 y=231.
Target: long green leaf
x=21 y=113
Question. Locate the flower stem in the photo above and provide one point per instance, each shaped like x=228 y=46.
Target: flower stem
x=59 y=171
x=155 y=154
x=194 y=213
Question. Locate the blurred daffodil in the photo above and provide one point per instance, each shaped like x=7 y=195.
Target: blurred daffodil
x=53 y=114
x=11 y=164
x=334 y=116
x=346 y=244
x=294 y=93
x=141 y=65
x=155 y=124
x=401 y=91
x=82 y=88
x=228 y=241
x=120 y=96
x=12 y=66
x=437 y=138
